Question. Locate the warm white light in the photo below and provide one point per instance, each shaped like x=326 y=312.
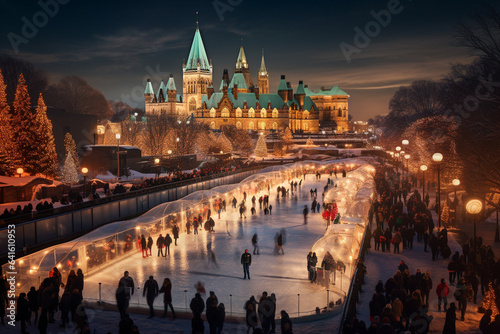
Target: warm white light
x=221 y=152
x=157 y=161
x=405 y=142
x=177 y=139
x=474 y=206
x=85 y=170
x=118 y=136
x=169 y=151
x=20 y=171
x=437 y=157
x=59 y=265
x=407 y=156
x=396 y=155
x=456 y=182
x=423 y=168
x=398 y=148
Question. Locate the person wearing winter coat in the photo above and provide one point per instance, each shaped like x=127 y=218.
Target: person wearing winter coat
x=449 y=323
x=442 y=291
x=23 y=311
x=166 y=289
x=175 y=232
x=144 y=246
x=251 y=313
x=159 y=244
x=149 y=246
x=246 y=261
x=212 y=314
x=397 y=308
x=33 y=303
x=462 y=295
x=80 y=281
x=71 y=282
x=388 y=237
x=396 y=241
x=402 y=266
x=65 y=307
x=151 y=290
x=197 y=305
x=167 y=241
x=286 y=323
x=197 y=326
x=221 y=316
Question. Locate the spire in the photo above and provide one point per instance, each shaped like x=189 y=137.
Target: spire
x=241 y=62
x=160 y=97
x=300 y=88
x=149 y=88
x=262 y=70
x=197 y=54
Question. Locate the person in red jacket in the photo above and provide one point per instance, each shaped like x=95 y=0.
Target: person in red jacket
x=442 y=291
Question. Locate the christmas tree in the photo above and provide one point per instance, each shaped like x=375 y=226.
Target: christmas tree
x=287 y=138
x=261 y=147
x=70 y=149
x=46 y=160
x=224 y=143
x=6 y=165
x=309 y=142
x=69 y=173
x=24 y=142
x=445 y=215
x=489 y=301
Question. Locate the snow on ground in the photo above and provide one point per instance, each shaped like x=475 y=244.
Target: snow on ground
x=285 y=275
x=381 y=266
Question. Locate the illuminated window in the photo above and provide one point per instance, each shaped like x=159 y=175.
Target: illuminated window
x=251 y=113
x=238 y=112
x=212 y=126
x=275 y=113
x=263 y=113
x=225 y=112
x=275 y=126
x=251 y=126
x=192 y=104
x=262 y=125
x=238 y=125
x=212 y=112
x=306 y=114
x=306 y=127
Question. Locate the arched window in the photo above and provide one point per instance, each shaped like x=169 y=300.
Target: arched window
x=275 y=126
x=340 y=112
x=275 y=113
x=262 y=125
x=238 y=112
x=225 y=113
x=212 y=112
x=238 y=125
x=306 y=114
x=251 y=126
x=263 y=113
x=305 y=127
x=212 y=125
x=251 y=113
x=192 y=104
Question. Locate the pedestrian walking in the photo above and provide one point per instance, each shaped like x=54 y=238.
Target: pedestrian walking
x=246 y=261
x=150 y=246
x=166 y=289
x=251 y=314
x=160 y=244
x=175 y=232
x=151 y=290
x=279 y=244
x=80 y=281
x=167 y=241
x=442 y=292
x=144 y=246
x=221 y=316
x=197 y=305
x=124 y=292
x=211 y=312
x=286 y=323
x=255 y=244
x=33 y=304
x=449 y=323
x=305 y=212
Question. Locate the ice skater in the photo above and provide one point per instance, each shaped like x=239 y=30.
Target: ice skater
x=167 y=242
x=305 y=212
x=151 y=289
x=255 y=244
x=246 y=261
x=160 y=244
x=167 y=297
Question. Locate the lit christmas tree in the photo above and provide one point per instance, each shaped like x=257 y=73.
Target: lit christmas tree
x=224 y=143
x=489 y=301
x=309 y=142
x=6 y=164
x=69 y=172
x=23 y=129
x=261 y=147
x=70 y=148
x=445 y=215
x=46 y=160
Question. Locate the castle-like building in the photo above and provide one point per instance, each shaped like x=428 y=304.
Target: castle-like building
x=241 y=103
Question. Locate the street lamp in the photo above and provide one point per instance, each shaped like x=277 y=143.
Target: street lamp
x=437 y=158
x=20 y=171
x=423 y=168
x=407 y=157
x=157 y=163
x=456 y=183
x=85 y=170
x=474 y=207
x=405 y=142
x=118 y=136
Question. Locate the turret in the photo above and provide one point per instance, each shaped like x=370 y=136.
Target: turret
x=148 y=92
x=160 y=97
x=210 y=92
x=283 y=89
x=300 y=94
x=263 y=80
x=290 y=91
x=171 y=89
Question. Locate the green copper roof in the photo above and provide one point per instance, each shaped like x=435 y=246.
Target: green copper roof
x=197 y=54
x=249 y=98
x=222 y=84
x=335 y=90
x=149 y=88
x=309 y=104
x=300 y=89
x=282 y=85
x=238 y=79
x=171 y=84
x=241 y=62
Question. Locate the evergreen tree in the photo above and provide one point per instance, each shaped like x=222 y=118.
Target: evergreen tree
x=46 y=156
x=69 y=173
x=70 y=149
x=6 y=163
x=261 y=147
x=24 y=149
x=445 y=215
x=224 y=143
x=309 y=142
x=278 y=149
x=287 y=138
x=490 y=301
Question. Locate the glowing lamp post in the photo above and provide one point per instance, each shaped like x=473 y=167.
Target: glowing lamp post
x=157 y=163
x=456 y=183
x=423 y=168
x=407 y=157
x=437 y=158
x=118 y=136
x=474 y=207
x=405 y=142
x=20 y=171
x=85 y=170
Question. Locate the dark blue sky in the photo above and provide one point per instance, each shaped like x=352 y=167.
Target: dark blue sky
x=117 y=45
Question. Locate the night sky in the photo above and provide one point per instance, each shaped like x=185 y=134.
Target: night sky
x=117 y=45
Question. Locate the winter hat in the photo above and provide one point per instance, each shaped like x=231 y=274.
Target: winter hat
x=386 y=320
x=402 y=262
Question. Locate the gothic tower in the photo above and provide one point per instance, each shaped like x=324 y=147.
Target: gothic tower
x=263 y=77
x=242 y=67
x=196 y=74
